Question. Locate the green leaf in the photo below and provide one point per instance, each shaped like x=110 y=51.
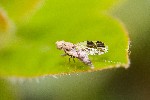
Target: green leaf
x=33 y=51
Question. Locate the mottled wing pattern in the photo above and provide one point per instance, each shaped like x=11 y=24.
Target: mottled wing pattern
x=82 y=50
x=92 y=47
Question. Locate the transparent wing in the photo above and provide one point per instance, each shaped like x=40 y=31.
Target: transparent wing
x=92 y=47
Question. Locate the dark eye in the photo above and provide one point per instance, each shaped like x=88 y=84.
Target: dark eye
x=67 y=49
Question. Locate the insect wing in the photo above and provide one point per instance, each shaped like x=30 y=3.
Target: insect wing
x=92 y=47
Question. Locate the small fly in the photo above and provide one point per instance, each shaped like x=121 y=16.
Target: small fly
x=81 y=50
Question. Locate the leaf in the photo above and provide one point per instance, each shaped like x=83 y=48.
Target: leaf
x=33 y=51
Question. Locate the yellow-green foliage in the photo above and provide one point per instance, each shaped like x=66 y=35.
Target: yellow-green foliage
x=33 y=26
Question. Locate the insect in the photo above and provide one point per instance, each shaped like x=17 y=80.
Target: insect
x=82 y=50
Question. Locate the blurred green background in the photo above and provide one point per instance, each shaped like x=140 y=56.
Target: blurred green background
x=114 y=84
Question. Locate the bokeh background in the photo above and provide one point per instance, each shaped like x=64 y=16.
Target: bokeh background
x=113 y=84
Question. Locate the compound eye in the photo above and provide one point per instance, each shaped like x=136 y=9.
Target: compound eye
x=67 y=49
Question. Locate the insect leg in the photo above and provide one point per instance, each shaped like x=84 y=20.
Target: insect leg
x=70 y=58
x=64 y=54
x=73 y=59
